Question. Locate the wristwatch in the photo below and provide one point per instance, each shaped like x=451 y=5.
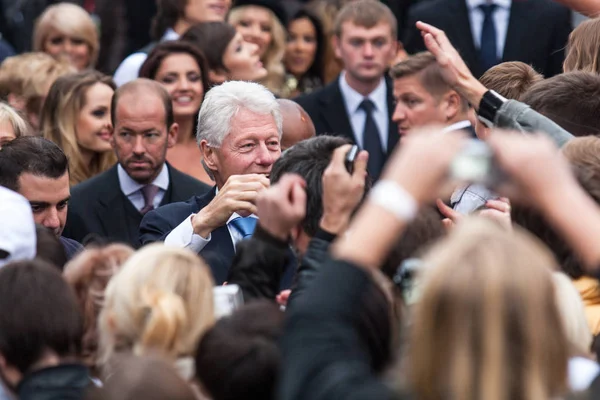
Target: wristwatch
x=489 y=106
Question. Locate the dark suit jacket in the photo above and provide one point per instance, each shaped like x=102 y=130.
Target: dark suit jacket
x=537 y=32
x=98 y=208
x=218 y=253
x=327 y=109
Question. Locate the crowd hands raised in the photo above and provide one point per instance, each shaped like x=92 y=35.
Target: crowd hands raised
x=357 y=281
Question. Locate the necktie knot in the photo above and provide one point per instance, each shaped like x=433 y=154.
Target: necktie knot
x=367 y=105
x=488 y=9
x=149 y=192
x=245 y=226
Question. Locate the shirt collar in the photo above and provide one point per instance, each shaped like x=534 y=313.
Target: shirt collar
x=129 y=186
x=353 y=98
x=170 y=34
x=457 y=126
x=472 y=4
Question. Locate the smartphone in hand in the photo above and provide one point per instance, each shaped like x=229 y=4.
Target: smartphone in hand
x=350 y=157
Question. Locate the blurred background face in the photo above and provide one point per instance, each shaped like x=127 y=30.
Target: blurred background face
x=301 y=46
x=74 y=49
x=181 y=76
x=207 y=10
x=7 y=132
x=242 y=60
x=365 y=52
x=141 y=137
x=254 y=24
x=94 y=128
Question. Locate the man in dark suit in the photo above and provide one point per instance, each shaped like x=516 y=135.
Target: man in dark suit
x=239 y=132
x=359 y=104
x=110 y=206
x=488 y=32
x=38 y=170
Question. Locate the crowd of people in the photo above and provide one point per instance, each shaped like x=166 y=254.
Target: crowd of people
x=281 y=199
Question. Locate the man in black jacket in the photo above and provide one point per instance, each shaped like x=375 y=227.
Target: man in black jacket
x=110 y=206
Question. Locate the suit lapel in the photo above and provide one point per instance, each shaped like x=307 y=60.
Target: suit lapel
x=461 y=35
x=518 y=26
x=111 y=213
x=333 y=111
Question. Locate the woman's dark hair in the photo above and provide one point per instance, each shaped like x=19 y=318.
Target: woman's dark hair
x=164 y=50
x=317 y=69
x=212 y=38
x=167 y=14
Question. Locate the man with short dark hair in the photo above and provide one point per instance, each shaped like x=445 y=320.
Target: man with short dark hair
x=110 y=206
x=41 y=332
x=571 y=100
x=38 y=169
x=359 y=104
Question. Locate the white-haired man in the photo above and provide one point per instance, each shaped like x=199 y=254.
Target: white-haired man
x=239 y=133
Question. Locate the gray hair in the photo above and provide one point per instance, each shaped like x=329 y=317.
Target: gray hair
x=223 y=102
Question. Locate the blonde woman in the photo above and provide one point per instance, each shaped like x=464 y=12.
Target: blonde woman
x=88 y=274
x=12 y=125
x=67 y=30
x=160 y=302
x=76 y=116
x=262 y=23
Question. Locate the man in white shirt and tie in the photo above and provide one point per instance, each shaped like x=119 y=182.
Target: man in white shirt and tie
x=239 y=133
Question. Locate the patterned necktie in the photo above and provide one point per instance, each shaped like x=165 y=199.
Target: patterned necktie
x=488 y=52
x=245 y=226
x=372 y=141
x=149 y=192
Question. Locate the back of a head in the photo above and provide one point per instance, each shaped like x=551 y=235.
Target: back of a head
x=38 y=313
x=583 y=153
x=297 y=124
x=486 y=286
x=309 y=159
x=510 y=79
x=33 y=155
x=143 y=377
x=572 y=314
x=141 y=89
x=583 y=48
x=424 y=65
x=212 y=38
x=10 y=116
x=239 y=357
x=223 y=102
x=161 y=301
x=365 y=13
x=571 y=100
x=88 y=273
x=49 y=247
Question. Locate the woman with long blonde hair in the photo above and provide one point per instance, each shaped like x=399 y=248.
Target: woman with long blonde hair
x=262 y=23
x=77 y=116
x=67 y=30
x=160 y=302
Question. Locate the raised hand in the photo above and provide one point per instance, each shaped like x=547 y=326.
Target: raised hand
x=282 y=206
x=239 y=195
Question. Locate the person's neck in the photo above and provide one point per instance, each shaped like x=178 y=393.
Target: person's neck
x=365 y=88
x=86 y=156
x=458 y=118
x=186 y=130
x=181 y=26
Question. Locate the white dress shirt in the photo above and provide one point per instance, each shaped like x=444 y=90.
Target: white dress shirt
x=129 y=69
x=183 y=235
x=457 y=125
x=133 y=189
x=501 y=18
x=358 y=116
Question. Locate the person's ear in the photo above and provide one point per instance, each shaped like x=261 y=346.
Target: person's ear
x=216 y=77
x=172 y=135
x=452 y=105
x=336 y=43
x=209 y=155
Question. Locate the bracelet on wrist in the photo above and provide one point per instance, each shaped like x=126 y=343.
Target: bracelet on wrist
x=394 y=198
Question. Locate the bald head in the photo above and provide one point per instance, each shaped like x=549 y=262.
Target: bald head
x=138 y=92
x=297 y=125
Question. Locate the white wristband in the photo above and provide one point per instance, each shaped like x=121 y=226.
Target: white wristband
x=395 y=199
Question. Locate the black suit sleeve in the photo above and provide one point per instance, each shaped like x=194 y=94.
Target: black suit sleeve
x=411 y=37
x=325 y=355
x=562 y=30
x=155 y=226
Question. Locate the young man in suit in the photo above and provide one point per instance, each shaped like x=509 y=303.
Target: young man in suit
x=38 y=170
x=110 y=206
x=488 y=32
x=239 y=133
x=359 y=104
